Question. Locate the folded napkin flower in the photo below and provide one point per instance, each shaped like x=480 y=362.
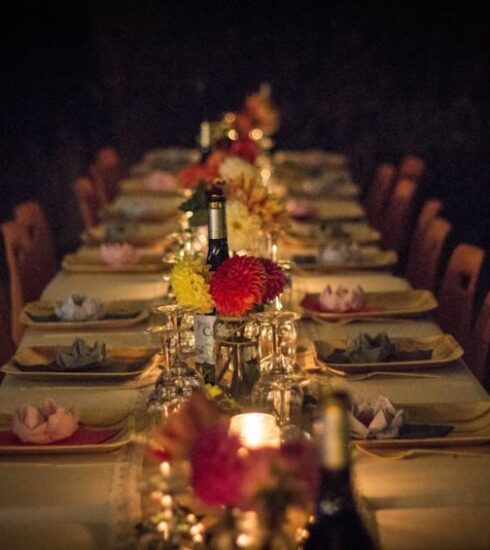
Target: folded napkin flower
x=158 y=180
x=342 y=299
x=80 y=355
x=300 y=208
x=80 y=308
x=118 y=254
x=368 y=349
x=334 y=230
x=119 y=230
x=375 y=419
x=44 y=424
x=137 y=208
x=341 y=252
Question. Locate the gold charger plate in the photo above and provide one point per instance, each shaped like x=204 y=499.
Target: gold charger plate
x=307 y=234
x=76 y=263
x=143 y=234
x=120 y=364
x=45 y=308
x=445 y=349
x=378 y=304
x=372 y=259
x=117 y=442
x=471 y=422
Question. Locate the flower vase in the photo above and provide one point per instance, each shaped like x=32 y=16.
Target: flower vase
x=237 y=357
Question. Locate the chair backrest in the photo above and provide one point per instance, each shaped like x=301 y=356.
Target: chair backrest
x=397 y=217
x=378 y=193
x=24 y=269
x=477 y=355
x=106 y=171
x=430 y=210
x=88 y=201
x=7 y=347
x=32 y=217
x=458 y=289
x=423 y=270
x=411 y=167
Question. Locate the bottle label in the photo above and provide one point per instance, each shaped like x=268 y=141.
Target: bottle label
x=204 y=339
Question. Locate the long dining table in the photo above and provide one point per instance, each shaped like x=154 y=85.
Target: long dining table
x=436 y=499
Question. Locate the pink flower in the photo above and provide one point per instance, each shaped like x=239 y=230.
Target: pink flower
x=217 y=469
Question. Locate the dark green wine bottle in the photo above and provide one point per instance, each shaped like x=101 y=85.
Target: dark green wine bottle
x=217 y=235
x=337 y=525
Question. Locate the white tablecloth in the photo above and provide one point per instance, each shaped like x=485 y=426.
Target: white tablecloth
x=92 y=501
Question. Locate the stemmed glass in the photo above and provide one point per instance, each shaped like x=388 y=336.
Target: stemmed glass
x=278 y=390
x=178 y=381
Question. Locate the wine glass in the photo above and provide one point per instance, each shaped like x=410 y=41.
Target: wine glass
x=278 y=391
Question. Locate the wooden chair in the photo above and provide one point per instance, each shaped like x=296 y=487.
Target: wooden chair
x=397 y=215
x=477 y=355
x=7 y=347
x=378 y=193
x=25 y=273
x=32 y=217
x=458 y=289
x=423 y=267
x=411 y=167
x=88 y=200
x=106 y=171
x=430 y=210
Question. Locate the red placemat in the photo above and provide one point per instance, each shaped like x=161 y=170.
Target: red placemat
x=83 y=436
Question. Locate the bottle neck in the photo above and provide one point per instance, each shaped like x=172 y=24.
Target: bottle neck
x=217 y=221
x=205 y=140
x=335 y=455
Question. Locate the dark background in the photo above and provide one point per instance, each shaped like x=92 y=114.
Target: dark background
x=373 y=79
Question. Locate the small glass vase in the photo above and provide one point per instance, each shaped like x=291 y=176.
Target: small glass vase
x=237 y=356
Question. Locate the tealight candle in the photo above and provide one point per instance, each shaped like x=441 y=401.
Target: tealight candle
x=256 y=430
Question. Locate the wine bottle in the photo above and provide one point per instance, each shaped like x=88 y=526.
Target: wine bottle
x=337 y=524
x=205 y=142
x=217 y=235
x=217 y=253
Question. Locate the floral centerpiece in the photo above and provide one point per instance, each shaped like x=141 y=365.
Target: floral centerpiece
x=275 y=483
x=258 y=112
x=234 y=289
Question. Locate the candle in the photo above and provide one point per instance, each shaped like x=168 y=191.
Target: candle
x=256 y=430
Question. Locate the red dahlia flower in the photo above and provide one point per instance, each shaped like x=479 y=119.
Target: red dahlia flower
x=276 y=279
x=238 y=284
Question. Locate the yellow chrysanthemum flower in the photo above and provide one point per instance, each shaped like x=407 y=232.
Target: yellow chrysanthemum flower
x=189 y=279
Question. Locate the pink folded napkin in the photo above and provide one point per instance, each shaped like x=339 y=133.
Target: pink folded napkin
x=300 y=209
x=160 y=181
x=45 y=424
x=375 y=419
x=118 y=254
x=342 y=299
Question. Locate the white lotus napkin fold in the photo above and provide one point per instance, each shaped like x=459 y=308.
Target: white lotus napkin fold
x=340 y=252
x=45 y=424
x=118 y=254
x=80 y=308
x=80 y=355
x=136 y=208
x=158 y=180
x=342 y=299
x=375 y=419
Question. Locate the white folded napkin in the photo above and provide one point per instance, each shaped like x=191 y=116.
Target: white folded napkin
x=158 y=180
x=340 y=252
x=45 y=424
x=375 y=419
x=80 y=308
x=342 y=299
x=300 y=208
x=118 y=254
